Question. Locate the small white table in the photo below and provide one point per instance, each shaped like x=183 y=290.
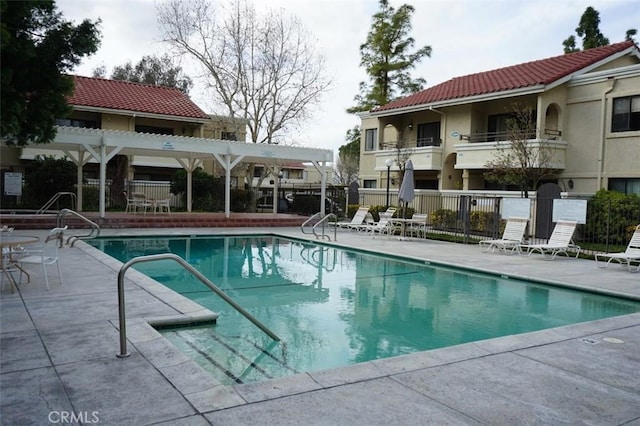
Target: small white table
x=9 y=242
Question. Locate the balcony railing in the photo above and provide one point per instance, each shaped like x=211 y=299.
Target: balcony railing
x=426 y=157
x=478 y=155
x=428 y=142
x=505 y=136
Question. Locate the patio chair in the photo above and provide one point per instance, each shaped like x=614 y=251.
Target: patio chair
x=357 y=219
x=47 y=254
x=383 y=226
x=559 y=242
x=162 y=206
x=512 y=236
x=141 y=202
x=631 y=254
x=418 y=225
x=131 y=203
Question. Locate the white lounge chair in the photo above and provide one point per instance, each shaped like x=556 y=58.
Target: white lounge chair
x=631 y=254
x=383 y=226
x=559 y=242
x=357 y=219
x=512 y=236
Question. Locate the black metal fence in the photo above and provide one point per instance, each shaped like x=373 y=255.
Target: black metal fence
x=467 y=218
x=116 y=199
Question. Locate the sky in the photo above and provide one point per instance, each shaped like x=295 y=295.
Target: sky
x=466 y=37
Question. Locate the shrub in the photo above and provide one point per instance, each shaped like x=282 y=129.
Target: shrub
x=352 y=209
x=45 y=177
x=610 y=214
x=444 y=218
x=482 y=222
x=90 y=198
x=207 y=190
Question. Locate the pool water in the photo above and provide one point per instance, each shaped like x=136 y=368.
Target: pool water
x=333 y=307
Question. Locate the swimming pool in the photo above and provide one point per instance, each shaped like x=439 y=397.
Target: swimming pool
x=334 y=307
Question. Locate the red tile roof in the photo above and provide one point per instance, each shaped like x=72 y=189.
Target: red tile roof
x=540 y=72
x=136 y=97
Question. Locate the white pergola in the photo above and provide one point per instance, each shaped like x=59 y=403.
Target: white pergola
x=82 y=145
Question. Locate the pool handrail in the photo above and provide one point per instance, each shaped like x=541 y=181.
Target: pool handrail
x=95 y=228
x=170 y=256
x=323 y=221
x=55 y=198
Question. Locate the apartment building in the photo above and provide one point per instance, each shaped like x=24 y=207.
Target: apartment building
x=122 y=132
x=586 y=107
x=124 y=106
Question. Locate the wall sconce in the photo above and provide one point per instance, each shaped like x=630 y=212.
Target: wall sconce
x=410 y=126
x=570 y=183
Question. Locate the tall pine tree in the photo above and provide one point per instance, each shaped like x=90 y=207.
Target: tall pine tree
x=387 y=57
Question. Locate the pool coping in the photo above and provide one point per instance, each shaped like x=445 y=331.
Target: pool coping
x=206 y=394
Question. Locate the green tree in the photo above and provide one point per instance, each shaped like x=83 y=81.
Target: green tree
x=158 y=71
x=207 y=190
x=46 y=176
x=387 y=58
x=38 y=48
x=589 y=30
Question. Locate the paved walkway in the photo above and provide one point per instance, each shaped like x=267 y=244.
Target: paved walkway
x=58 y=359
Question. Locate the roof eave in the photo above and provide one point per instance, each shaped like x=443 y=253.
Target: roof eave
x=127 y=112
x=530 y=90
x=630 y=50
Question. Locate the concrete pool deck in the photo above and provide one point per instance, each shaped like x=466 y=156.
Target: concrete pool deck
x=58 y=356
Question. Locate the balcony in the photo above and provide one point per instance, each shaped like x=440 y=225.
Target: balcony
x=476 y=155
x=425 y=157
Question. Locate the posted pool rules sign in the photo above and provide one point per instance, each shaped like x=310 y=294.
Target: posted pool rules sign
x=12 y=183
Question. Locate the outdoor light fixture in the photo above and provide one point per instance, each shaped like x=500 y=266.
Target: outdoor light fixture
x=570 y=183
x=388 y=162
x=410 y=126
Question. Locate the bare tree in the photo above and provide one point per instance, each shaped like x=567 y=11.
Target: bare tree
x=402 y=153
x=346 y=169
x=264 y=68
x=525 y=157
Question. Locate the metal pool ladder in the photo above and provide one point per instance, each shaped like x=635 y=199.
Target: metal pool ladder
x=321 y=223
x=121 y=311
x=95 y=229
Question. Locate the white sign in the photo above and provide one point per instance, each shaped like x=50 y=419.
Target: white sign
x=168 y=145
x=516 y=207
x=455 y=134
x=12 y=183
x=570 y=210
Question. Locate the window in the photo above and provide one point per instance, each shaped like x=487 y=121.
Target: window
x=154 y=130
x=626 y=186
x=626 y=114
x=89 y=124
x=498 y=126
x=228 y=136
x=370 y=139
x=426 y=184
x=429 y=134
x=370 y=183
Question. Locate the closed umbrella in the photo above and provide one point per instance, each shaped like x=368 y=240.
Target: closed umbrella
x=408 y=187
